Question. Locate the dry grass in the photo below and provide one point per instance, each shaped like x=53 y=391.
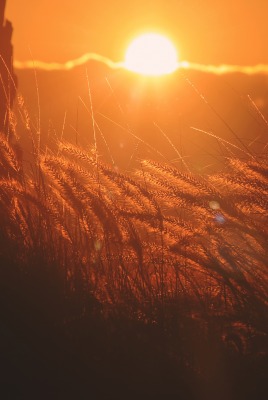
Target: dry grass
x=160 y=236
x=161 y=246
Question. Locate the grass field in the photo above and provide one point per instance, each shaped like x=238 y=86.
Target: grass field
x=131 y=286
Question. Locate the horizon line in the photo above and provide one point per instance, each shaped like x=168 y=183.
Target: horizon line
x=220 y=69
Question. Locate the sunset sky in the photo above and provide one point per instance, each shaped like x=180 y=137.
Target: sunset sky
x=209 y=32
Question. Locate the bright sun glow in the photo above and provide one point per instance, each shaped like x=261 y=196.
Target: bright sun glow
x=151 y=54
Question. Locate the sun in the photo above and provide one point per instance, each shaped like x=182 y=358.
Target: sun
x=151 y=54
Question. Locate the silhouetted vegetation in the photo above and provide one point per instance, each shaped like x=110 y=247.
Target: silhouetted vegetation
x=127 y=286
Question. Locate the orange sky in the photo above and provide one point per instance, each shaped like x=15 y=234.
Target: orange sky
x=207 y=31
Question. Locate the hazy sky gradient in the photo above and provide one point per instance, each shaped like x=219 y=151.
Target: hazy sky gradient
x=204 y=31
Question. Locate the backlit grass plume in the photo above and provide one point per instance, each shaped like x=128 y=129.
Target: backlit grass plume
x=161 y=235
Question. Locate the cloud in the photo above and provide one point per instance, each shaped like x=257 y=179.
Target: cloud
x=68 y=65
x=183 y=65
x=223 y=69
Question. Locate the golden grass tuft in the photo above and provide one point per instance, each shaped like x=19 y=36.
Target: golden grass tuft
x=158 y=235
